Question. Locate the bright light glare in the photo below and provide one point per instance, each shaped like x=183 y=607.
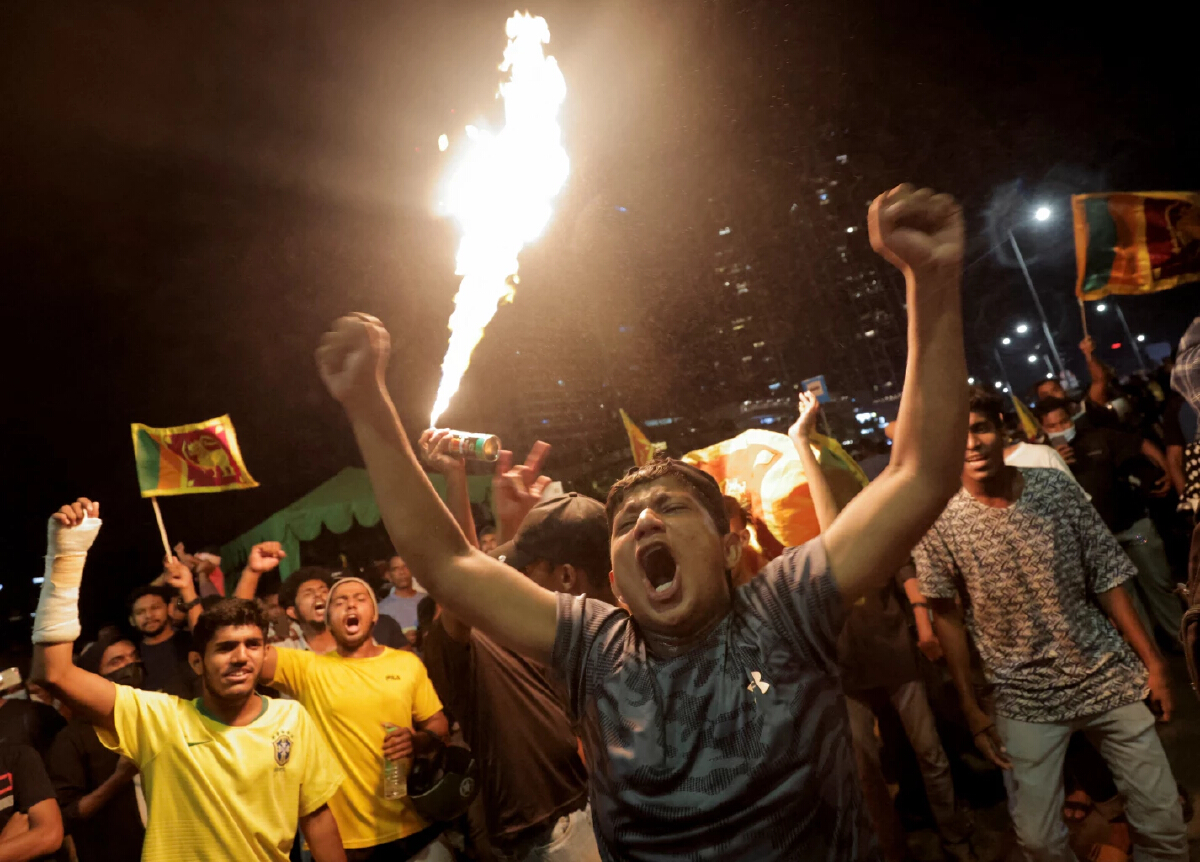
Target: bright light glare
x=1049 y=376
x=500 y=193
x=1041 y=213
x=1141 y=338
x=999 y=385
x=1006 y=341
x=970 y=381
x=443 y=142
x=1022 y=328
x=1033 y=357
x=1102 y=308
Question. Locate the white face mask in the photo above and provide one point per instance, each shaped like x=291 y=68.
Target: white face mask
x=1063 y=436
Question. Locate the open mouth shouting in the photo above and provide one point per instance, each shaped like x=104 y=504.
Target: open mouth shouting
x=318 y=610
x=659 y=571
x=352 y=622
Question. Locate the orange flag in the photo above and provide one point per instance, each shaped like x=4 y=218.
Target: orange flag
x=643 y=449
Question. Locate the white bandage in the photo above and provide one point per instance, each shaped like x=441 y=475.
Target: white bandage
x=57 y=617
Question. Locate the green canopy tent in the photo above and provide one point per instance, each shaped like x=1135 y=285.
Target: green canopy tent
x=336 y=505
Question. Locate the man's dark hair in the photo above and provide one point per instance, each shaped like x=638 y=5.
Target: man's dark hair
x=987 y=404
x=91 y=657
x=289 y=588
x=485 y=529
x=268 y=585
x=426 y=611
x=164 y=593
x=1046 y=406
x=704 y=487
x=226 y=612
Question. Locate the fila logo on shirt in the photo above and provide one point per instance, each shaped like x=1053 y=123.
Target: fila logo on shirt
x=757 y=681
x=282 y=742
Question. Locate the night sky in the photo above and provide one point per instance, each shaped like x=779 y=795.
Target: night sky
x=192 y=192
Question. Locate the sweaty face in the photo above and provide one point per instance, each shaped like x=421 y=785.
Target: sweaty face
x=149 y=615
x=985 y=450
x=669 y=560
x=233 y=661
x=398 y=574
x=351 y=616
x=311 y=599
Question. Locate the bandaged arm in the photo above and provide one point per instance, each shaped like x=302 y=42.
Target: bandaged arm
x=56 y=625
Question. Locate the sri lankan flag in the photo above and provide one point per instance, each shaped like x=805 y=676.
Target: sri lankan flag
x=761 y=470
x=190 y=459
x=1135 y=243
x=1029 y=423
x=643 y=449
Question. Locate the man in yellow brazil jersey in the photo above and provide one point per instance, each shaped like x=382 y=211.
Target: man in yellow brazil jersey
x=372 y=703
x=228 y=775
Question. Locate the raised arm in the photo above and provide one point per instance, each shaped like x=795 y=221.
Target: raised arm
x=818 y=485
x=71 y=531
x=179 y=576
x=1100 y=374
x=482 y=591
x=435 y=452
x=922 y=234
x=264 y=557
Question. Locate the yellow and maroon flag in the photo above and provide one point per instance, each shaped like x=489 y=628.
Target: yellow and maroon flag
x=189 y=459
x=639 y=443
x=1029 y=423
x=761 y=470
x=1135 y=243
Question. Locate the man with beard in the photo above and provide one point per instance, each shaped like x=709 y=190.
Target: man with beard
x=713 y=720
x=96 y=787
x=229 y=775
x=164 y=650
x=372 y=703
x=1023 y=561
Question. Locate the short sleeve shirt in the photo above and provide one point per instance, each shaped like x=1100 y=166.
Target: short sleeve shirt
x=737 y=749
x=220 y=792
x=1028 y=575
x=23 y=781
x=350 y=699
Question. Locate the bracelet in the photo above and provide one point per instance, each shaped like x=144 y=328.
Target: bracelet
x=187 y=606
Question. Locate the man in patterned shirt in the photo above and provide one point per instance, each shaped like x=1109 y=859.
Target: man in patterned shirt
x=1037 y=573
x=712 y=718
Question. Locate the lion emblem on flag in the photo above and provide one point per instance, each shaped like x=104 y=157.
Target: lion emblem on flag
x=283 y=748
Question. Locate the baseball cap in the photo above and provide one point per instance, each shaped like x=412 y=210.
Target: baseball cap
x=570 y=529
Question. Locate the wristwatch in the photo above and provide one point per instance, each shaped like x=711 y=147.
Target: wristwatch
x=187 y=606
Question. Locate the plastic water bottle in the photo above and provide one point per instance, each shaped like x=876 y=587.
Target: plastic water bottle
x=395 y=775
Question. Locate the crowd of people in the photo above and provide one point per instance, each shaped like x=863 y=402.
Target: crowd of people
x=631 y=679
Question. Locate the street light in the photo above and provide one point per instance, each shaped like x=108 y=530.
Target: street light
x=1102 y=308
x=999 y=385
x=1022 y=328
x=970 y=381
x=1141 y=338
x=1033 y=357
x=1041 y=214
x=1006 y=341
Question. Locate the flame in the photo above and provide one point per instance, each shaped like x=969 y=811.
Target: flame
x=501 y=193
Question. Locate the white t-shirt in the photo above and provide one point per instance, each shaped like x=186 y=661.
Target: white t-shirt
x=1037 y=455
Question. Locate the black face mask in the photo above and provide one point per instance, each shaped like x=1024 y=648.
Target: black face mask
x=130 y=675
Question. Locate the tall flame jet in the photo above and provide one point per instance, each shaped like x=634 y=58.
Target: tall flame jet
x=501 y=193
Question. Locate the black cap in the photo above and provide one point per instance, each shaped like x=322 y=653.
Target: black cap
x=571 y=529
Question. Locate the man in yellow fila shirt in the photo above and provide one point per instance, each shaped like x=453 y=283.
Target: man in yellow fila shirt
x=354 y=694
x=229 y=775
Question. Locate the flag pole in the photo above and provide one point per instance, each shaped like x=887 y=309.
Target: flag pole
x=1083 y=317
x=162 y=530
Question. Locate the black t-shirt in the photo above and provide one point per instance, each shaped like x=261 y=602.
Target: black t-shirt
x=387 y=632
x=26 y=722
x=530 y=769
x=1105 y=458
x=167 y=667
x=23 y=781
x=78 y=764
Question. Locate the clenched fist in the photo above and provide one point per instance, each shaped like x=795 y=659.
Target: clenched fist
x=353 y=356
x=265 y=556
x=917 y=231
